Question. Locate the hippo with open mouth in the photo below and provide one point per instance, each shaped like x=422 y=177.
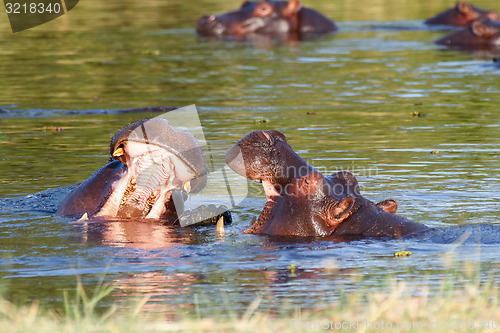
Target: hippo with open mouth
x=151 y=170
x=303 y=202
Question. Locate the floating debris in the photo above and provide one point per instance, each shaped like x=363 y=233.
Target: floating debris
x=151 y=52
x=52 y=129
x=402 y=254
x=262 y=121
x=435 y=152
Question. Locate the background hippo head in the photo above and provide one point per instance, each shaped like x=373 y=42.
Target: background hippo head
x=462 y=15
x=266 y=17
x=151 y=165
x=479 y=35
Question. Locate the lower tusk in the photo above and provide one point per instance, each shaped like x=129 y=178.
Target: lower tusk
x=220 y=226
x=119 y=152
x=187 y=187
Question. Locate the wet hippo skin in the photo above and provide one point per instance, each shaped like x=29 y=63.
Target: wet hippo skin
x=462 y=15
x=151 y=166
x=266 y=17
x=303 y=202
x=478 y=36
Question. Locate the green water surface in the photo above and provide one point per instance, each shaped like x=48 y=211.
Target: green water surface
x=375 y=101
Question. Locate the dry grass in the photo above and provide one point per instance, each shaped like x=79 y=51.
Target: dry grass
x=458 y=307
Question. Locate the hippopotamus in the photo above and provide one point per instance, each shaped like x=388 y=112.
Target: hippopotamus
x=301 y=201
x=463 y=15
x=151 y=170
x=266 y=17
x=479 y=35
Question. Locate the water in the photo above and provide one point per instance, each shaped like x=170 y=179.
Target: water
x=344 y=102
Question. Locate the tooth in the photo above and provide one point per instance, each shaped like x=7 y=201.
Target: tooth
x=268 y=137
x=220 y=226
x=84 y=217
x=187 y=187
x=171 y=178
x=132 y=182
x=119 y=152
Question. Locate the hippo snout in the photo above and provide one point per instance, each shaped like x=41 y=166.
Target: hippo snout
x=210 y=25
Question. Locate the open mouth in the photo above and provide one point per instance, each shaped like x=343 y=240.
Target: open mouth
x=162 y=166
x=153 y=173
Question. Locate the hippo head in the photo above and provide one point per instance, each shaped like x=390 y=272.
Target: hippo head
x=159 y=160
x=300 y=200
x=478 y=35
x=266 y=17
x=151 y=165
x=462 y=15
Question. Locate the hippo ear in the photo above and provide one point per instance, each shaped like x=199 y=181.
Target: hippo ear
x=493 y=16
x=463 y=7
x=389 y=206
x=480 y=30
x=277 y=135
x=292 y=7
x=340 y=211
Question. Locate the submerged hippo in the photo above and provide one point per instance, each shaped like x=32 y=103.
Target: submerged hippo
x=266 y=17
x=151 y=165
x=479 y=35
x=303 y=202
x=463 y=15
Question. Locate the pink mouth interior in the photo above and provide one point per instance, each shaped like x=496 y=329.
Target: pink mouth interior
x=151 y=175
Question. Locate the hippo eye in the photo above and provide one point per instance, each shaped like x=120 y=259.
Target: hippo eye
x=263 y=9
